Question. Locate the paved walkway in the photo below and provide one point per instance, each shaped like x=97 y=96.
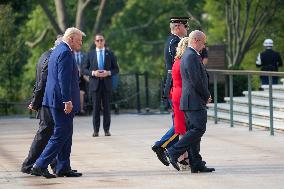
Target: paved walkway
x=242 y=159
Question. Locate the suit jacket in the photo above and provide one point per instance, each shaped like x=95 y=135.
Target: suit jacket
x=91 y=64
x=195 y=93
x=62 y=80
x=41 y=75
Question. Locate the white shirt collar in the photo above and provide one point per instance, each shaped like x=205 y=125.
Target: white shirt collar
x=177 y=36
x=97 y=49
x=194 y=50
x=67 y=44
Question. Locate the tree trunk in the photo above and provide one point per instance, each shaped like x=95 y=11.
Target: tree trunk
x=61 y=14
x=50 y=17
x=82 y=4
x=240 y=38
x=99 y=17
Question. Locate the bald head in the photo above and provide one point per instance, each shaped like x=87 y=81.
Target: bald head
x=197 y=40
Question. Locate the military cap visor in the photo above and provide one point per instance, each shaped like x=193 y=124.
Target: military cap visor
x=180 y=20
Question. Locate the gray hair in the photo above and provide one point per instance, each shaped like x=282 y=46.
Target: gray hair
x=172 y=26
x=196 y=34
x=58 y=40
x=71 y=31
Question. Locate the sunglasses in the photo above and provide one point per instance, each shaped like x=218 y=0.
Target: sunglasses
x=99 y=40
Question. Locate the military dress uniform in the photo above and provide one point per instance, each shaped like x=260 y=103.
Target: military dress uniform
x=170 y=137
x=269 y=60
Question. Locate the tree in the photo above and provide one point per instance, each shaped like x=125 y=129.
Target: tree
x=12 y=57
x=245 y=22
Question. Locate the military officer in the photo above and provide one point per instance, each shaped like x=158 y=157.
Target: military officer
x=268 y=60
x=179 y=27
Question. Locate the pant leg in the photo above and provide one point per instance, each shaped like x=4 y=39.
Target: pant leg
x=264 y=80
x=45 y=130
x=106 y=110
x=97 y=96
x=170 y=133
x=274 y=80
x=191 y=140
x=62 y=131
x=63 y=157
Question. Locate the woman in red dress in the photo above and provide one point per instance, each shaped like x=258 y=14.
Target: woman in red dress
x=179 y=119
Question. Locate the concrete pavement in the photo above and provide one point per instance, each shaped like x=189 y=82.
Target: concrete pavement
x=242 y=159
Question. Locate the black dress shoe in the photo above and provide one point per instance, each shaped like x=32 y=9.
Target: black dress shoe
x=27 y=171
x=160 y=152
x=202 y=169
x=70 y=173
x=107 y=133
x=54 y=169
x=173 y=161
x=95 y=134
x=41 y=172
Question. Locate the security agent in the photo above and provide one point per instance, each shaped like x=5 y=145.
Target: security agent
x=179 y=27
x=268 y=60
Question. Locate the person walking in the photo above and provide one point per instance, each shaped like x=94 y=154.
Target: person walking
x=195 y=96
x=179 y=27
x=63 y=99
x=175 y=95
x=46 y=122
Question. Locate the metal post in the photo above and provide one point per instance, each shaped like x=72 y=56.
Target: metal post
x=138 y=104
x=146 y=92
x=6 y=108
x=249 y=103
x=215 y=98
x=162 y=104
x=271 y=105
x=231 y=100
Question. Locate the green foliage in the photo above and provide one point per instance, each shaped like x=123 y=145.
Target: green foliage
x=12 y=57
x=36 y=24
x=138 y=33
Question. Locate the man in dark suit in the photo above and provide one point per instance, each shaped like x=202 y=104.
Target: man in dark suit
x=46 y=123
x=83 y=79
x=100 y=65
x=195 y=96
x=63 y=98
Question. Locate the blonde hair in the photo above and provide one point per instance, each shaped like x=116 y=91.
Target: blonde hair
x=181 y=47
x=71 y=31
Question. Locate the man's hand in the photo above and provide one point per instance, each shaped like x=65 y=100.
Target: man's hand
x=101 y=73
x=96 y=73
x=105 y=73
x=30 y=107
x=68 y=107
x=209 y=100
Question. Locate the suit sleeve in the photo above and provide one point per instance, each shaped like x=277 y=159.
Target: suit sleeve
x=172 y=52
x=39 y=89
x=114 y=66
x=199 y=83
x=86 y=65
x=65 y=68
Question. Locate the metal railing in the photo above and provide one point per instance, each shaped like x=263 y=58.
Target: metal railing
x=249 y=75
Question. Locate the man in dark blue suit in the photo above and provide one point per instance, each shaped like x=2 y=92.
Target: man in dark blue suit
x=62 y=96
x=100 y=66
x=195 y=96
x=46 y=123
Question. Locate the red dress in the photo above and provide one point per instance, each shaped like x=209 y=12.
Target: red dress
x=179 y=119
